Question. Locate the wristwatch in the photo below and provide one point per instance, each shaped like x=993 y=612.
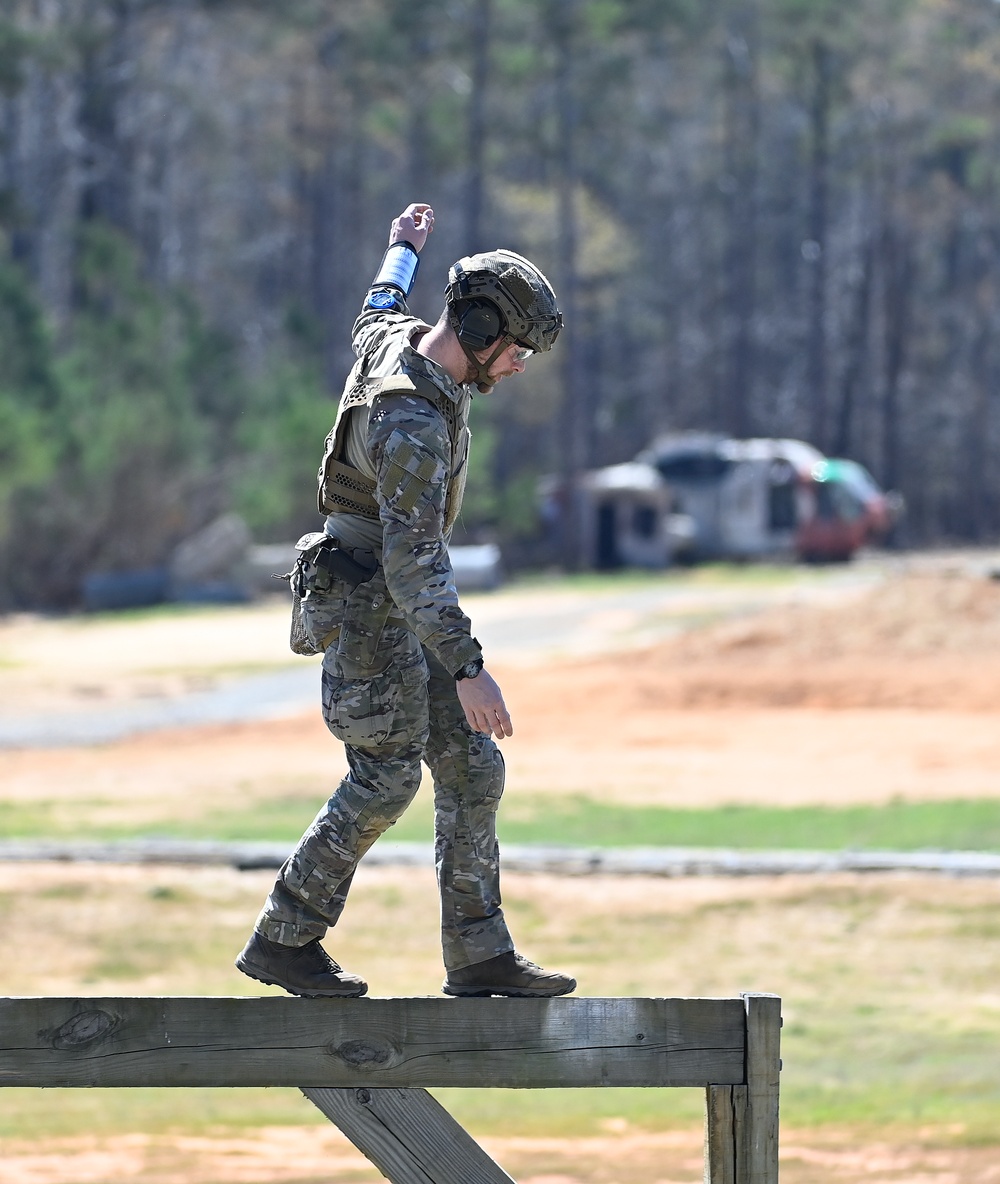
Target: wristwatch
x=470 y=670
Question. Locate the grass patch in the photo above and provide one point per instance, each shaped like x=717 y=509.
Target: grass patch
x=151 y=1110
x=38 y=820
x=889 y=990
x=966 y=1118
x=574 y=821
x=898 y=826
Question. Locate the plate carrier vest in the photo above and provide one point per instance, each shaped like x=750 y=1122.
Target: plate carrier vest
x=343 y=489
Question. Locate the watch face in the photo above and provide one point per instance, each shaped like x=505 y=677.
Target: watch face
x=382 y=300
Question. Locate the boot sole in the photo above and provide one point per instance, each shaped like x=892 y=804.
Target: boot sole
x=261 y=977
x=508 y=992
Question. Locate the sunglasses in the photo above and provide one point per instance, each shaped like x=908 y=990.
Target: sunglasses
x=522 y=353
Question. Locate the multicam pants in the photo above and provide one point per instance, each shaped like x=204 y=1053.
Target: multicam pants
x=400 y=710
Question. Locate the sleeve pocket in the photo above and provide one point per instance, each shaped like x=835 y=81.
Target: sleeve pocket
x=411 y=476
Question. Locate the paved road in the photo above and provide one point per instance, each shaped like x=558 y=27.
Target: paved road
x=531 y=857
x=515 y=625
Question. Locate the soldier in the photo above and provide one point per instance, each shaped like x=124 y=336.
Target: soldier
x=403 y=677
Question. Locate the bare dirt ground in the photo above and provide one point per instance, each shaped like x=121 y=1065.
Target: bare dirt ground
x=290 y=1155
x=891 y=694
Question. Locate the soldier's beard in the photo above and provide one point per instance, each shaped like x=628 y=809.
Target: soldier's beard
x=472 y=376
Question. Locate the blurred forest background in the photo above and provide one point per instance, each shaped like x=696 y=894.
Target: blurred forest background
x=763 y=217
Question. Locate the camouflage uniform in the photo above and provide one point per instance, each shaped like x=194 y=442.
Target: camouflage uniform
x=394 y=645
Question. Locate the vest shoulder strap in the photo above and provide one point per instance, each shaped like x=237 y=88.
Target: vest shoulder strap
x=409 y=384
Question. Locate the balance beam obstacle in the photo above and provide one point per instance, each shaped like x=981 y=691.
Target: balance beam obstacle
x=366 y=1063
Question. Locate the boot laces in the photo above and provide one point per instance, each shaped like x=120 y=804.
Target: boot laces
x=323 y=957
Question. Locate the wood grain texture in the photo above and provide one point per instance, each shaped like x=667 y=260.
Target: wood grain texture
x=408 y=1136
x=759 y=1144
x=725 y=1110
x=509 y=1043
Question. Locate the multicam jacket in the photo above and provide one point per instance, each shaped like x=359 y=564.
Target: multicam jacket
x=393 y=476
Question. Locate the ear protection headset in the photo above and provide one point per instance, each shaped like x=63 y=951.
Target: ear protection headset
x=479 y=324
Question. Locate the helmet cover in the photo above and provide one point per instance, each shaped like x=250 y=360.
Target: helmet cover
x=517 y=289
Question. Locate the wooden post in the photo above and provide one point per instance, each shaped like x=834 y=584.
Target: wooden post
x=725 y=1110
x=763 y=1071
x=741 y=1121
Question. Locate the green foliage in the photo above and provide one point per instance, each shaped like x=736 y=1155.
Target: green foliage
x=27 y=390
x=280 y=441
x=115 y=435
x=140 y=427
x=14 y=44
x=501 y=496
x=25 y=347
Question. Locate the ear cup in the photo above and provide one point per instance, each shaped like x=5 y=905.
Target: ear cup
x=479 y=324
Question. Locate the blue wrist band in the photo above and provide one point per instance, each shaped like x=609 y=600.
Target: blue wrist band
x=398 y=268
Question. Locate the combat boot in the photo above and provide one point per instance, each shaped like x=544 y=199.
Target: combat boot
x=507 y=974
x=302 y=970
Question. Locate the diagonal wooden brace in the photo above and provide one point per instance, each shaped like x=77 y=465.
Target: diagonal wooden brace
x=408 y=1136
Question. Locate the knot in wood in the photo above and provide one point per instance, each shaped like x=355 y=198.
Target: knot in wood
x=82 y=1029
x=363 y=1054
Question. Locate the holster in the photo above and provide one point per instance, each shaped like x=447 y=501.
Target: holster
x=323 y=581
x=323 y=561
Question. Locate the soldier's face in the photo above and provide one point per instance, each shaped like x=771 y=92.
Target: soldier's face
x=511 y=361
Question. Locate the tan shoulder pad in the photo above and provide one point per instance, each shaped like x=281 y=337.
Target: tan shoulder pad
x=409 y=384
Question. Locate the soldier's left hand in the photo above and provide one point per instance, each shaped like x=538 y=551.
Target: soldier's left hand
x=483 y=705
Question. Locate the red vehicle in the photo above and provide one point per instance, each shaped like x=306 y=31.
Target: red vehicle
x=845 y=511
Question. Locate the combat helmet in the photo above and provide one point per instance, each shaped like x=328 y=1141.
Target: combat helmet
x=497 y=298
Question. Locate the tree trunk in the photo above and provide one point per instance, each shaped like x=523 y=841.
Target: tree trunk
x=897 y=287
x=480 y=29
x=855 y=351
x=571 y=428
x=742 y=125
x=815 y=247
x=109 y=63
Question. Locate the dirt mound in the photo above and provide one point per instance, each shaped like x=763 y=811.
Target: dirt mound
x=925 y=641
x=913 y=616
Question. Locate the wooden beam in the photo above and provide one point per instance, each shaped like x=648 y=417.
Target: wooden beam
x=509 y=1043
x=408 y=1136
